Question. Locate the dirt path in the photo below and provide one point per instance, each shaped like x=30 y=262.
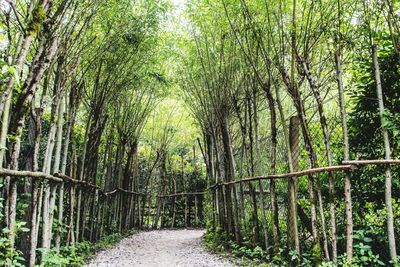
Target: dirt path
x=162 y=248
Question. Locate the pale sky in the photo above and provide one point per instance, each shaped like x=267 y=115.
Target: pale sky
x=177 y=21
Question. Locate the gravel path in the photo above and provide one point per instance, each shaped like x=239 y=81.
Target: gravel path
x=162 y=248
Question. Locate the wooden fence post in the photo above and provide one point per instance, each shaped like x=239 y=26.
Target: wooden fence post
x=292 y=229
x=163 y=200
x=236 y=220
x=264 y=218
x=256 y=227
x=78 y=214
x=186 y=211
x=71 y=231
x=196 y=211
x=33 y=226
x=173 y=212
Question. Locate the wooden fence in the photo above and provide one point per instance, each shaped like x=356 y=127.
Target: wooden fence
x=87 y=212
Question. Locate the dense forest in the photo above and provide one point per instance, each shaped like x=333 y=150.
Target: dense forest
x=275 y=125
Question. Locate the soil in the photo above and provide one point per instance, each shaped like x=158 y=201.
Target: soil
x=162 y=248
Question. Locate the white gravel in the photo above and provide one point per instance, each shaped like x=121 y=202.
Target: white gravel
x=161 y=248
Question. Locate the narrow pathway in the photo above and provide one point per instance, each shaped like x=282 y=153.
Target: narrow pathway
x=162 y=248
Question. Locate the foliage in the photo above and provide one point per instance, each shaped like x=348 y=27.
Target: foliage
x=173 y=96
x=79 y=253
x=217 y=240
x=364 y=256
x=364 y=122
x=9 y=255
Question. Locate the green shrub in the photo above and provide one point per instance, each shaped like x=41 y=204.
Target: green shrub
x=79 y=253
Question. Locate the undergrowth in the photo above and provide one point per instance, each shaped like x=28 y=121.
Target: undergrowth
x=79 y=253
x=247 y=254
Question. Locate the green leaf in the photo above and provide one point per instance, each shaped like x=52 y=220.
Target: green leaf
x=367 y=239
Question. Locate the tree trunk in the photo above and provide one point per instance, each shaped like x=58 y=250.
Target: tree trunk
x=347 y=179
x=388 y=156
x=23 y=48
x=258 y=169
x=229 y=165
x=48 y=188
x=274 y=142
x=36 y=119
x=292 y=229
x=315 y=89
x=56 y=168
x=16 y=127
x=256 y=228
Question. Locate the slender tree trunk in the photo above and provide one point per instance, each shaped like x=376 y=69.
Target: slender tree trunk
x=256 y=228
x=264 y=216
x=71 y=233
x=229 y=165
x=56 y=168
x=82 y=178
x=274 y=142
x=49 y=197
x=347 y=179
x=33 y=233
x=388 y=156
x=243 y=126
x=393 y=25
x=46 y=196
x=259 y=170
x=174 y=204
x=196 y=211
x=292 y=230
x=78 y=215
x=315 y=89
x=236 y=220
x=292 y=86
x=36 y=119
x=16 y=128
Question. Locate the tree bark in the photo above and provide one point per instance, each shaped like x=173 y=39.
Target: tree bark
x=346 y=152
x=315 y=89
x=388 y=156
x=274 y=142
x=229 y=165
x=292 y=230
